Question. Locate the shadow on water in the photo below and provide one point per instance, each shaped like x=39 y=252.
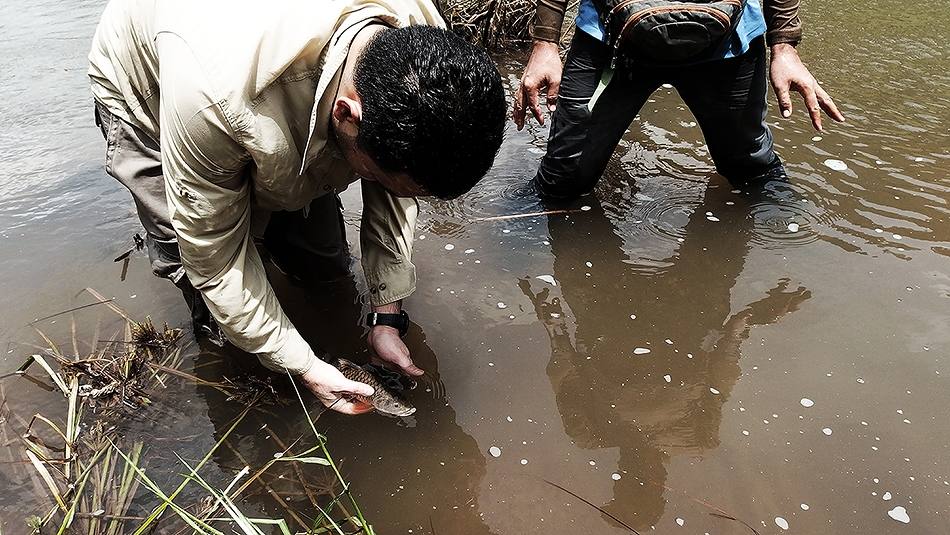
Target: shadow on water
x=664 y=397
x=409 y=473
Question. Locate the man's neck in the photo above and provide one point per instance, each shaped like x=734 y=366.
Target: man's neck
x=347 y=86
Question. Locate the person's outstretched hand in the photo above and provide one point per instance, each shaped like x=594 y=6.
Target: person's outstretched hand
x=333 y=390
x=788 y=73
x=543 y=71
x=389 y=348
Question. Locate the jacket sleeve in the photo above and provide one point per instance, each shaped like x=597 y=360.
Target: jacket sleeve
x=548 y=19
x=386 y=235
x=209 y=203
x=782 y=22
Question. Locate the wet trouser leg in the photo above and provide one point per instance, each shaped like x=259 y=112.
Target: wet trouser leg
x=727 y=96
x=134 y=159
x=585 y=131
x=729 y=99
x=311 y=245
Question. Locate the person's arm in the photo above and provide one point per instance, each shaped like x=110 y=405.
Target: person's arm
x=209 y=205
x=386 y=235
x=544 y=64
x=782 y=22
x=787 y=72
x=547 y=21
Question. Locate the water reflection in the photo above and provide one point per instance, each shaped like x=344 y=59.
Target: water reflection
x=668 y=401
x=410 y=474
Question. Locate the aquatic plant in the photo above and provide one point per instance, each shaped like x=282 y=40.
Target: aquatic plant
x=497 y=23
x=95 y=476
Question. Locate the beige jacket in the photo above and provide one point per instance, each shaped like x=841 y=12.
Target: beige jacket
x=244 y=101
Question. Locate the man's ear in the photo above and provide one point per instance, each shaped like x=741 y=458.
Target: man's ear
x=347 y=110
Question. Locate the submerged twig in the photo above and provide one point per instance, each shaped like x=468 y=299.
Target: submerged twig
x=728 y=517
x=520 y=216
x=67 y=311
x=581 y=498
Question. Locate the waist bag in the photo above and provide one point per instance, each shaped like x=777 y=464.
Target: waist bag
x=665 y=32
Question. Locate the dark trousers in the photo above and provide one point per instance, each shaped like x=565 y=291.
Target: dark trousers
x=727 y=96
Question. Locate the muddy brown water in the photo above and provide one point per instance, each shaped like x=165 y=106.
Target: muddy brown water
x=743 y=318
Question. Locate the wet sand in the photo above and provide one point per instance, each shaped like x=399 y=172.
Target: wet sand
x=667 y=349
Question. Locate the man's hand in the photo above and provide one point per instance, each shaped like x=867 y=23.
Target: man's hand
x=543 y=71
x=388 y=345
x=787 y=73
x=332 y=389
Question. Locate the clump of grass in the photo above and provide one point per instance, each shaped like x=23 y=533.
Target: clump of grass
x=95 y=477
x=497 y=24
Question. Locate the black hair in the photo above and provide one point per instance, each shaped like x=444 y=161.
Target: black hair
x=433 y=107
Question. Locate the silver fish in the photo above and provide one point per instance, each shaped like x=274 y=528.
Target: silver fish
x=383 y=400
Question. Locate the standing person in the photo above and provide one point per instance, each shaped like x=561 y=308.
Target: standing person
x=233 y=120
x=724 y=85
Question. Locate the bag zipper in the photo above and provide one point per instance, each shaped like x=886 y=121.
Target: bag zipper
x=722 y=17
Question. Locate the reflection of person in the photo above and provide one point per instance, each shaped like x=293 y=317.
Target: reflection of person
x=610 y=397
x=218 y=114
x=724 y=87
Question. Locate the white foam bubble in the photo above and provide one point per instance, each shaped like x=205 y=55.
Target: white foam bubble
x=807 y=402
x=548 y=279
x=899 y=514
x=836 y=165
x=781 y=522
x=667 y=378
x=827 y=431
x=680 y=521
x=793 y=227
x=887 y=496
x=469 y=251
x=524 y=461
x=713 y=390
x=495 y=451
x=641 y=351
x=615 y=476
x=804 y=507
x=502 y=305
x=449 y=247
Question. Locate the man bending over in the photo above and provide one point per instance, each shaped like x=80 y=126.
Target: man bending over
x=231 y=120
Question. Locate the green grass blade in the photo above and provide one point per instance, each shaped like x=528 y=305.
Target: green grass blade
x=197 y=524
x=161 y=508
x=44 y=473
x=307 y=460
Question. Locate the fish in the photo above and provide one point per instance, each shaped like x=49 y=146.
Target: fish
x=384 y=400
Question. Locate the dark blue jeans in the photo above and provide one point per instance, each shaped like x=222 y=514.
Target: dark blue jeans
x=728 y=98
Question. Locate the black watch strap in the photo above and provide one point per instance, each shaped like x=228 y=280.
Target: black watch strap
x=399 y=321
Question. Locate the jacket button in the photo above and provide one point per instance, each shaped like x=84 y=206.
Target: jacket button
x=382 y=287
x=372 y=290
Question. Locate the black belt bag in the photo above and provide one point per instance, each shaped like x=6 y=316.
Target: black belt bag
x=668 y=32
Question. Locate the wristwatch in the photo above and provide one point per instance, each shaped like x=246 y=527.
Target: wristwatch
x=399 y=321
